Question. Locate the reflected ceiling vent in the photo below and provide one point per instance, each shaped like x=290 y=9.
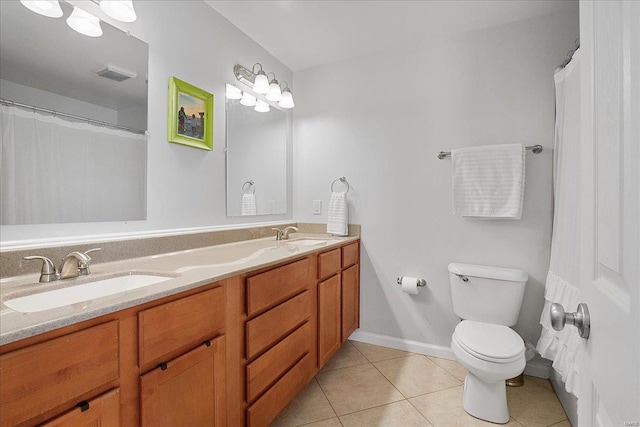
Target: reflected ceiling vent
x=115 y=73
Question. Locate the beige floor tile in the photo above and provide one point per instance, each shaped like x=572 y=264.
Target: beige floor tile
x=398 y=414
x=451 y=366
x=540 y=381
x=308 y=406
x=357 y=388
x=375 y=353
x=345 y=357
x=534 y=405
x=444 y=409
x=331 y=422
x=415 y=375
x=564 y=423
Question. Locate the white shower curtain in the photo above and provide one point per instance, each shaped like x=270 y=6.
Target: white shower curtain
x=55 y=170
x=563 y=347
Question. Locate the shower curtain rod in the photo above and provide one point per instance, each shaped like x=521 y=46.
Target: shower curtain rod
x=71 y=116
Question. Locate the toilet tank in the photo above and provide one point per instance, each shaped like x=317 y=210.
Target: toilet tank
x=491 y=294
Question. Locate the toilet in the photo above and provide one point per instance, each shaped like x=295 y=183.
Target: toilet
x=488 y=300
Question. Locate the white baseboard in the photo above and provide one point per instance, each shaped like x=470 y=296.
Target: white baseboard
x=402 y=344
x=536 y=367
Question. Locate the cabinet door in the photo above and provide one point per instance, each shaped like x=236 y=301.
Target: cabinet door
x=187 y=391
x=350 y=301
x=329 y=328
x=103 y=411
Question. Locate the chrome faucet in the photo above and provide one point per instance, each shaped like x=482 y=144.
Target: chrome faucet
x=284 y=234
x=73 y=265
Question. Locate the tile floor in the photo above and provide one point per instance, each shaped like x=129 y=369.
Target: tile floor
x=370 y=386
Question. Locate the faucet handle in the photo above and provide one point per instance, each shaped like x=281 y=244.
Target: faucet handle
x=278 y=233
x=83 y=267
x=48 y=272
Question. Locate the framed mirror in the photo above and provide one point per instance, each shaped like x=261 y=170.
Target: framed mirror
x=73 y=118
x=256 y=159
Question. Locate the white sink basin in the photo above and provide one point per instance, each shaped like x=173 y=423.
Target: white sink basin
x=306 y=242
x=85 y=292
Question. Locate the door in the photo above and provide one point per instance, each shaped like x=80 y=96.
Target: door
x=610 y=258
x=350 y=301
x=328 y=319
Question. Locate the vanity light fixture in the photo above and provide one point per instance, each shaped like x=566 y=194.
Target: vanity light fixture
x=260 y=82
x=274 y=93
x=50 y=8
x=84 y=23
x=122 y=10
x=261 y=106
x=286 y=100
x=248 y=100
x=233 y=92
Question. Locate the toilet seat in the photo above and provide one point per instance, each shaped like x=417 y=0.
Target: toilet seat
x=489 y=342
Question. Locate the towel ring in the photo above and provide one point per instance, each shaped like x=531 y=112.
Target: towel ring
x=250 y=182
x=343 y=180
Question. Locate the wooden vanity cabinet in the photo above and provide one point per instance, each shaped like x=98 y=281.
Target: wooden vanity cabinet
x=102 y=411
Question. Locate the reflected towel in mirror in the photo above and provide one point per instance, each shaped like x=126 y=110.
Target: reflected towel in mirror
x=248 y=204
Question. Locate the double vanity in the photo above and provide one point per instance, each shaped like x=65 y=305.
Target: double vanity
x=222 y=335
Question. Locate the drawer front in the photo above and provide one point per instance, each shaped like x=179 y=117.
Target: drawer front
x=350 y=254
x=328 y=263
x=104 y=411
x=268 y=328
x=266 y=408
x=268 y=289
x=267 y=368
x=40 y=377
x=179 y=323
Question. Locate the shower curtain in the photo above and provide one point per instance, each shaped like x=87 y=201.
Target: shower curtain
x=55 y=170
x=563 y=347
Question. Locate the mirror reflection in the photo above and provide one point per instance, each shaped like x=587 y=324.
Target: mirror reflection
x=73 y=115
x=256 y=158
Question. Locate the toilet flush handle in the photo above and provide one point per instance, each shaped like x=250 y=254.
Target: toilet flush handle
x=580 y=319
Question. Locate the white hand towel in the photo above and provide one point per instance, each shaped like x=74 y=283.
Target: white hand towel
x=338 y=215
x=488 y=182
x=248 y=204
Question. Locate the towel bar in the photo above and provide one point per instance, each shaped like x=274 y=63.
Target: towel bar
x=535 y=148
x=250 y=182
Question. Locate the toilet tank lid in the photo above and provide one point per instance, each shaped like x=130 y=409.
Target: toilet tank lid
x=496 y=273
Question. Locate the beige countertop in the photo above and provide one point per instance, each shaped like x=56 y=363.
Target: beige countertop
x=187 y=270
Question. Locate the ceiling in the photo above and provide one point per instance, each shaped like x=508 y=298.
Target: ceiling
x=306 y=33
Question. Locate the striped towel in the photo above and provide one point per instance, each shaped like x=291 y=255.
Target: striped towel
x=338 y=215
x=488 y=182
x=248 y=204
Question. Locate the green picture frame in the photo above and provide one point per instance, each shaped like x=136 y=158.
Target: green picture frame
x=190 y=118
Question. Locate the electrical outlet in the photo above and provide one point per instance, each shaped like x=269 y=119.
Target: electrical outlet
x=317 y=207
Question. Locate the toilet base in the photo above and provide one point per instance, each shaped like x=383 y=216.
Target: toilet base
x=487 y=401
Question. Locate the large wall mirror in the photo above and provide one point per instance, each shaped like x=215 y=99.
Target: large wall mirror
x=256 y=160
x=73 y=121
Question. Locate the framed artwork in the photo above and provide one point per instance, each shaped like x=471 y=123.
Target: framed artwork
x=190 y=120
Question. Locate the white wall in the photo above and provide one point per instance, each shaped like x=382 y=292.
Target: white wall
x=381 y=119
x=186 y=186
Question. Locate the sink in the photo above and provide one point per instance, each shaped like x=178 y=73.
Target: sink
x=306 y=242
x=85 y=292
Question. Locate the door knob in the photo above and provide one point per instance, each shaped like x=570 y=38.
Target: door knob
x=580 y=319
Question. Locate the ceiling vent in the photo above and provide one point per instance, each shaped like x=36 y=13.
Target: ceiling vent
x=115 y=73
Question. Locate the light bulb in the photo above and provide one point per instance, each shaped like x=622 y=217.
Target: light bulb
x=122 y=10
x=262 y=107
x=261 y=83
x=274 y=93
x=49 y=8
x=287 y=99
x=233 y=92
x=248 y=100
x=84 y=23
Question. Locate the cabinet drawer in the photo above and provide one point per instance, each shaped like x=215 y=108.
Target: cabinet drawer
x=273 y=401
x=328 y=263
x=179 y=323
x=267 y=368
x=350 y=254
x=268 y=328
x=104 y=411
x=40 y=377
x=268 y=289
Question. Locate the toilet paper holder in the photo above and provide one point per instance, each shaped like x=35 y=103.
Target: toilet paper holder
x=421 y=282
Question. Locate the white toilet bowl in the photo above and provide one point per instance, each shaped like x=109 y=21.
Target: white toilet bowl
x=492 y=354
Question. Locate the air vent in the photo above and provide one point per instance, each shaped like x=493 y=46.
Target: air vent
x=115 y=73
